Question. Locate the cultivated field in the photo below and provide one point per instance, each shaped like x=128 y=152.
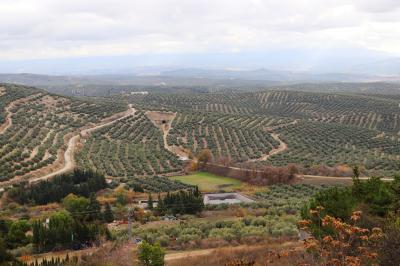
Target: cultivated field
x=37 y=127
x=209 y=182
x=131 y=146
x=316 y=129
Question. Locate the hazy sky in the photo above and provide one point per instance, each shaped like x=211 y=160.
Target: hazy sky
x=31 y=29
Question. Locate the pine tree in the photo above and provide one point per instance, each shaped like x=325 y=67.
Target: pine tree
x=160 y=206
x=150 y=202
x=357 y=189
x=108 y=214
x=94 y=208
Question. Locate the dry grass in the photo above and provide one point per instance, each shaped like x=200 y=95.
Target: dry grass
x=111 y=254
x=266 y=254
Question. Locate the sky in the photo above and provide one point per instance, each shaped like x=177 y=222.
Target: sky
x=54 y=29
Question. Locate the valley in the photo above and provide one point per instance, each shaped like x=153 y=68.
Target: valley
x=129 y=169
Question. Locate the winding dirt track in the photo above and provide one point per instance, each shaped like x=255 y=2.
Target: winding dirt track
x=68 y=160
x=281 y=148
x=155 y=117
x=282 y=145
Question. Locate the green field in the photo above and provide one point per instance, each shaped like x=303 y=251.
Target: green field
x=209 y=182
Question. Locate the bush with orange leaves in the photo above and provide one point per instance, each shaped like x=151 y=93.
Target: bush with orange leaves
x=348 y=244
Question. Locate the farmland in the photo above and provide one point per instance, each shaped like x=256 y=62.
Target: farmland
x=37 y=129
x=313 y=143
x=266 y=127
x=131 y=146
x=240 y=138
x=367 y=111
x=329 y=129
x=128 y=149
x=209 y=182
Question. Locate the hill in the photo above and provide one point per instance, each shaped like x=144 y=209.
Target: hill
x=320 y=129
x=36 y=126
x=316 y=131
x=204 y=80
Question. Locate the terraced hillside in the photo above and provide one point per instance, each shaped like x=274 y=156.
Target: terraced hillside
x=333 y=129
x=36 y=127
x=131 y=146
x=239 y=137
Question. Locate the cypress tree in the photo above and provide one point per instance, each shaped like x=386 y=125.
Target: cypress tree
x=108 y=214
x=150 y=202
x=94 y=208
x=161 y=206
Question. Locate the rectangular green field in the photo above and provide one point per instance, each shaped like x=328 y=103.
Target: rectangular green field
x=209 y=182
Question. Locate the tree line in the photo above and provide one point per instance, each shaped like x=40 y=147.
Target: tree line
x=79 y=182
x=182 y=202
x=79 y=226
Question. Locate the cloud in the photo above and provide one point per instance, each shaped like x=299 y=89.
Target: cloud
x=67 y=28
x=377 y=6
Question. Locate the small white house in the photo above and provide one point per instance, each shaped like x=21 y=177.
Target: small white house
x=144 y=204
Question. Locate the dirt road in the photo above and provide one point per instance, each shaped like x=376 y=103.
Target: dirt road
x=170 y=257
x=188 y=254
x=281 y=148
x=282 y=145
x=69 y=162
x=337 y=178
x=163 y=120
x=129 y=112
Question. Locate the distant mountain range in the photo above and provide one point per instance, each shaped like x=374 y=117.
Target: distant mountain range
x=388 y=67
x=203 y=80
x=271 y=75
x=169 y=76
x=356 y=63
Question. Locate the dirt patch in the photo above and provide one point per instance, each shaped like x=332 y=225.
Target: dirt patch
x=49 y=101
x=163 y=120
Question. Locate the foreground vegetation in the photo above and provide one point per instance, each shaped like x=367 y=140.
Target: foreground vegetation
x=363 y=220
